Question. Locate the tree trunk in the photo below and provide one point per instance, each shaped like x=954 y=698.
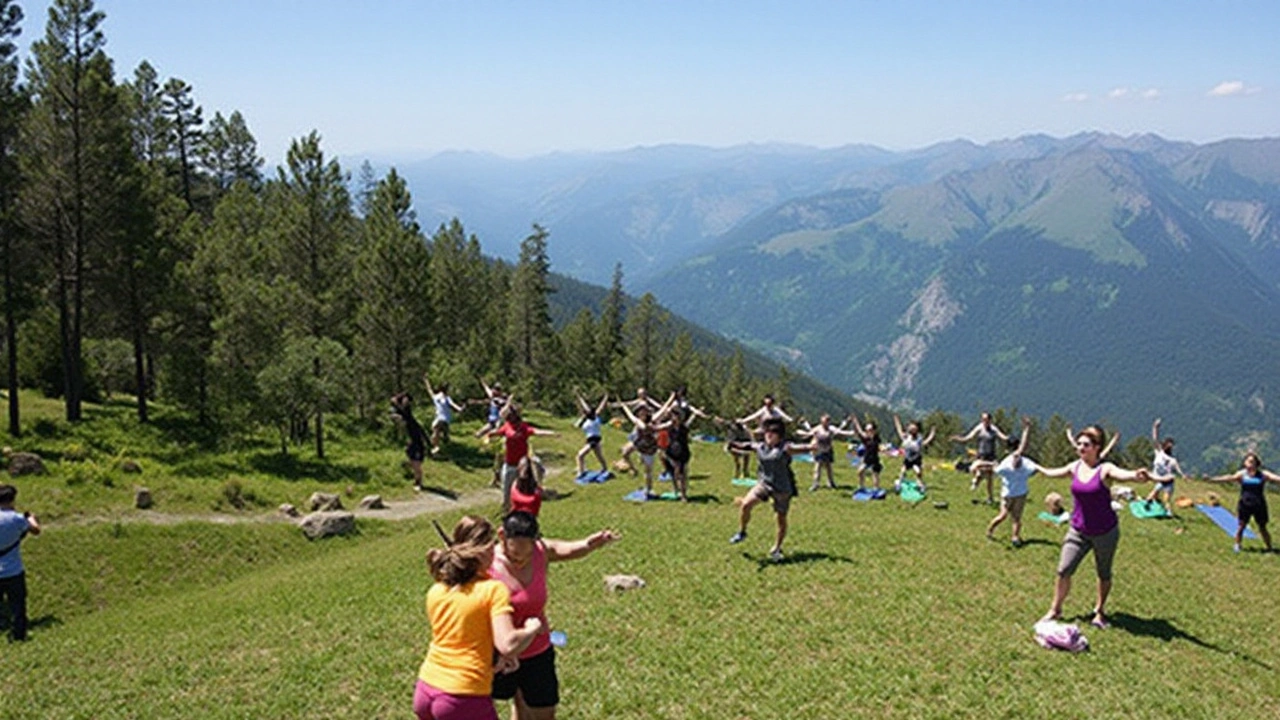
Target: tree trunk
x=140 y=370
x=11 y=342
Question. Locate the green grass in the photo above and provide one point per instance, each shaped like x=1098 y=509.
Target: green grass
x=882 y=610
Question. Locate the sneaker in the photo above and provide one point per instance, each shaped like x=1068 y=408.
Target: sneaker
x=974 y=484
x=1236 y=548
x=738 y=537
x=776 y=555
x=813 y=487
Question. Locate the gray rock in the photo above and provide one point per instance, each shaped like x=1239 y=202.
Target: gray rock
x=372 y=502
x=623 y=582
x=324 y=502
x=324 y=524
x=289 y=511
x=142 y=498
x=130 y=466
x=25 y=463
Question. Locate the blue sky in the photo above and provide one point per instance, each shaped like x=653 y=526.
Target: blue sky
x=403 y=79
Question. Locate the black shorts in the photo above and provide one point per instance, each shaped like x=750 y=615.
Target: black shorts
x=872 y=463
x=988 y=456
x=416 y=452
x=594 y=441
x=909 y=463
x=535 y=679
x=825 y=456
x=1253 y=511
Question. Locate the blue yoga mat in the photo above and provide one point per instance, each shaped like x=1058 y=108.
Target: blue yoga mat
x=593 y=476
x=641 y=496
x=1223 y=518
x=864 y=494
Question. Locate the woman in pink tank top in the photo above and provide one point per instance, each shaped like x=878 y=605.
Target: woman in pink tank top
x=521 y=564
x=1094 y=525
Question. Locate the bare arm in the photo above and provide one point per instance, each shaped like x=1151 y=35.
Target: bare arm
x=1026 y=432
x=752 y=417
x=604 y=404
x=782 y=414
x=1155 y=432
x=967 y=437
x=928 y=438
x=427 y=382
x=1231 y=477
x=897 y=425
x=1058 y=472
x=1270 y=477
x=33 y=525
x=558 y=550
x=1111 y=471
x=1115 y=438
x=509 y=640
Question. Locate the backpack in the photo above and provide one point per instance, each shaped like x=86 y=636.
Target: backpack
x=1054 y=635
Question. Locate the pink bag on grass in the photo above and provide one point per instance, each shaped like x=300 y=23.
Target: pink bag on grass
x=1054 y=635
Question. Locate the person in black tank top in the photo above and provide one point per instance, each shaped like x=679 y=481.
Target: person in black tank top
x=986 y=433
x=1253 y=479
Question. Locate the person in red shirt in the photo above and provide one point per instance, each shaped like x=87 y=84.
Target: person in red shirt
x=526 y=492
x=516 y=433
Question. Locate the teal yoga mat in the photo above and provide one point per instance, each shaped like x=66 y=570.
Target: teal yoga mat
x=744 y=482
x=1223 y=518
x=911 y=492
x=1148 y=509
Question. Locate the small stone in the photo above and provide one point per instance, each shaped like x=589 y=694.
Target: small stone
x=25 y=463
x=142 y=499
x=130 y=466
x=289 y=510
x=372 y=502
x=325 y=524
x=324 y=502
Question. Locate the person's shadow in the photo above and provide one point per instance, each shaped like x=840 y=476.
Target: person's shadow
x=1165 y=631
x=796 y=559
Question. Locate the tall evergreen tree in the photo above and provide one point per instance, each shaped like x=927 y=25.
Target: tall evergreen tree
x=229 y=153
x=13 y=255
x=185 y=122
x=610 y=350
x=69 y=199
x=391 y=270
x=315 y=231
x=645 y=332
x=530 y=311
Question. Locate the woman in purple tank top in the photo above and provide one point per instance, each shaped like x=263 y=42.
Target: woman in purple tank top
x=1094 y=525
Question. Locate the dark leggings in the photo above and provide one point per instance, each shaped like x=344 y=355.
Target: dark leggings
x=15 y=590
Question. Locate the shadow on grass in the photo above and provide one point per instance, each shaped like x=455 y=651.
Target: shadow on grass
x=1033 y=541
x=1165 y=631
x=442 y=492
x=796 y=559
x=557 y=496
x=292 y=467
x=704 y=499
x=464 y=456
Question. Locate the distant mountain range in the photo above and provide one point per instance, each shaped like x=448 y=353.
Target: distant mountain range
x=1102 y=277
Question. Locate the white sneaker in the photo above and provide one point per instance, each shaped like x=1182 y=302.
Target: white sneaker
x=776 y=555
x=738 y=537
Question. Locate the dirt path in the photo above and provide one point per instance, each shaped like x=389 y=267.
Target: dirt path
x=422 y=504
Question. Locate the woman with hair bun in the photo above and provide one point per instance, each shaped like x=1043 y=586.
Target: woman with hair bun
x=471 y=619
x=1094 y=525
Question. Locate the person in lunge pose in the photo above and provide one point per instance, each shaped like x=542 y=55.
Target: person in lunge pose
x=986 y=433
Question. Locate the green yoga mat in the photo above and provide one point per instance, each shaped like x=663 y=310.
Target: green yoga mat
x=1055 y=519
x=1145 y=510
x=911 y=492
x=744 y=482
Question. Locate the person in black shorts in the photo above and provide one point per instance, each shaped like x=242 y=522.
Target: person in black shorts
x=1253 y=479
x=869 y=434
x=416 y=450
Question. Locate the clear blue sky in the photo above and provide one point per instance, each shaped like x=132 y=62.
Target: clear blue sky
x=405 y=78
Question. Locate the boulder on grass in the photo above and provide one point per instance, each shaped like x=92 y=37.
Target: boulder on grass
x=25 y=463
x=324 y=502
x=289 y=510
x=324 y=524
x=372 y=502
x=142 y=498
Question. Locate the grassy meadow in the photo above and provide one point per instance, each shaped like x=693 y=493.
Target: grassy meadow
x=880 y=610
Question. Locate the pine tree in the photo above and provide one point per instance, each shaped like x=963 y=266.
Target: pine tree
x=645 y=333
x=69 y=201
x=610 y=349
x=229 y=153
x=15 y=257
x=530 y=312
x=391 y=270
x=185 y=121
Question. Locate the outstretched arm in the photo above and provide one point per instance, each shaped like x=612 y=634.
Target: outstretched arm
x=427 y=382
x=558 y=550
x=1230 y=477
x=1155 y=432
x=897 y=425
x=1271 y=477
x=604 y=404
x=753 y=417
x=1057 y=472
x=1026 y=432
x=1115 y=438
x=782 y=414
x=968 y=436
x=1110 y=470
x=928 y=438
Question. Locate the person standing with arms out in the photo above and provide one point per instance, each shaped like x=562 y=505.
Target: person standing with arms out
x=516 y=433
x=869 y=434
x=642 y=400
x=591 y=427
x=776 y=483
x=445 y=407
x=912 y=449
x=824 y=452
x=986 y=433
x=416 y=450
x=644 y=440
x=1163 y=464
x=521 y=564
x=1094 y=525
x=471 y=619
x=14 y=526
x=1014 y=471
x=1253 y=479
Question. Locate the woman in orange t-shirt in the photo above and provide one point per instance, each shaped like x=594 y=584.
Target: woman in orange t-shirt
x=471 y=618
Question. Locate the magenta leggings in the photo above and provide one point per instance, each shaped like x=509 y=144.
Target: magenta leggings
x=432 y=704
